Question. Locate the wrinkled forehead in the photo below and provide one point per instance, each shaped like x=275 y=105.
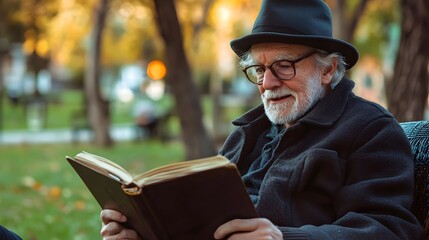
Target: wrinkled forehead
x=262 y=52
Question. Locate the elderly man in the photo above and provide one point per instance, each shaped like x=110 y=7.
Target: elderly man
x=318 y=162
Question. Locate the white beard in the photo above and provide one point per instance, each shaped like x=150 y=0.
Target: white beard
x=290 y=111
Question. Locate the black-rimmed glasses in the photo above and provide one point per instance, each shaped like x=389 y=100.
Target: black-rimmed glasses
x=281 y=69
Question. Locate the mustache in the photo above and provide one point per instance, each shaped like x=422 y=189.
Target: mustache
x=277 y=93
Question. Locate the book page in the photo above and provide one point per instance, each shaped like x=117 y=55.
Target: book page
x=105 y=167
x=180 y=169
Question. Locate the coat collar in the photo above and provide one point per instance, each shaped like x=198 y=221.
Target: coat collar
x=326 y=112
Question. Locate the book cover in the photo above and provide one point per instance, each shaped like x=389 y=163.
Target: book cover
x=179 y=201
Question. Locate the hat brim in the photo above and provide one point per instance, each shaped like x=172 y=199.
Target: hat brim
x=351 y=55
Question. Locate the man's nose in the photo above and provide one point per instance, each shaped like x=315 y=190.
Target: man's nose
x=270 y=81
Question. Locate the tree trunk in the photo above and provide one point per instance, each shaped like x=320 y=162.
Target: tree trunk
x=1 y=89
x=179 y=78
x=98 y=107
x=346 y=27
x=407 y=90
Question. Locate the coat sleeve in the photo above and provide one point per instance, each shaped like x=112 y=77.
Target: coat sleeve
x=7 y=234
x=376 y=197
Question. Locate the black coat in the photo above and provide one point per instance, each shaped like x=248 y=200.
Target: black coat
x=343 y=171
x=6 y=234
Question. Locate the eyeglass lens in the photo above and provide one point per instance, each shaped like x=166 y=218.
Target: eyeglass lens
x=281 y=69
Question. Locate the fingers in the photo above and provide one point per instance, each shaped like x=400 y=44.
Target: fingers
x=236 y=225
x=108 y=215
x=112 y=228
x=109 y=234
x=256 y=228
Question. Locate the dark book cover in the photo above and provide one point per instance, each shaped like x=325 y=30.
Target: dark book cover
x=190 y=206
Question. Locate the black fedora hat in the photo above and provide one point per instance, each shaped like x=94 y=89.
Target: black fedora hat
x=303 y=22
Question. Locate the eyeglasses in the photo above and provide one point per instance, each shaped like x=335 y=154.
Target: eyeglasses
x=281 y=69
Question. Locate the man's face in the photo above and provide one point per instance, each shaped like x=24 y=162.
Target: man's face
x=285 y=101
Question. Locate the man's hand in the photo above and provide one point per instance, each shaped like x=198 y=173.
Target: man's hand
x=248 y=229
x=112 y=227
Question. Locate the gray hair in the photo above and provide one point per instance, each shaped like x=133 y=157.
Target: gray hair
x=246 y=60
x=322 y=58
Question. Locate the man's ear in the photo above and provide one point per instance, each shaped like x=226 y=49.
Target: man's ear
x=328 y=72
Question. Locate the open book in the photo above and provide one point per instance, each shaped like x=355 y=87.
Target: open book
x=184 y=200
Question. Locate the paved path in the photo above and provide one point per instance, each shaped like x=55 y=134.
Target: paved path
x=118 y=133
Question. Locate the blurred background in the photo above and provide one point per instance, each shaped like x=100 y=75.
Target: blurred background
x=147 y=82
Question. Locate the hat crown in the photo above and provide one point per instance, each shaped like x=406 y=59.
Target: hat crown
x=302 y=22
x=294 y=17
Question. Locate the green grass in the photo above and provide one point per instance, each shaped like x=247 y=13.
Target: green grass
x=67 y=103
x=43 y=198
x=58 y=112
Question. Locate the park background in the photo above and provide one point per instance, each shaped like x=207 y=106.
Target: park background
x=76 y=75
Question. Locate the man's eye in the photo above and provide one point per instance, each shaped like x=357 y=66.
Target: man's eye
x=259 y=70
x=283 y=65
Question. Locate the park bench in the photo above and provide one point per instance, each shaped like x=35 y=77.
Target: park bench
x=418 y=135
